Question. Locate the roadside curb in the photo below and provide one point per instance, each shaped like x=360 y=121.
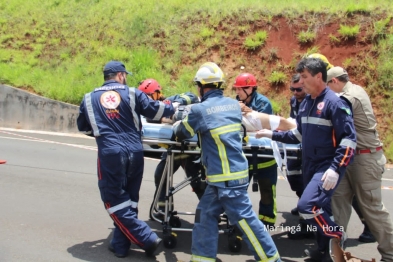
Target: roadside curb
x=389 y=165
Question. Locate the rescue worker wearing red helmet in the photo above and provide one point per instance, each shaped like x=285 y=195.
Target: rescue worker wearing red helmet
x=151 y=88
x=265 y=173
x=190 y=164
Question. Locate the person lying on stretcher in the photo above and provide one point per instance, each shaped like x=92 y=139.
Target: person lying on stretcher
x=252 y=120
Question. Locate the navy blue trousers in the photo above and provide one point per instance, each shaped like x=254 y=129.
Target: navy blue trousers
x=120 y=173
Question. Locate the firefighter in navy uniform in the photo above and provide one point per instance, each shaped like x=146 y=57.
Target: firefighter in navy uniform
x=217 y=122
x=190 y=163
x=326 y=131
x=265 y=177
x=111 y=113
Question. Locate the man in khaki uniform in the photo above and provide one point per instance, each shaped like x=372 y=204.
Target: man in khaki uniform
x=363 y=176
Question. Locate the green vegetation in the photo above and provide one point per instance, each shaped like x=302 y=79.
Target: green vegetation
x=58 y=48
x=306 y=37
x=255 y=41
x=277 y=78
x=348 y=32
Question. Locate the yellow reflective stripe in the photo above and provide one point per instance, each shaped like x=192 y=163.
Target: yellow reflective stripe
x=225 y=129
x=270 y=219
x=271 y=259
x=267 y=219
x=253 y=239
x=228 y=176
x=187 y=98
x=201 y=259
x=187 y=126
x=274 y=201
x=263 y=165
x=215 y=133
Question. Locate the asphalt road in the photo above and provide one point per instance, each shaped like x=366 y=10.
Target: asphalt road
x=51 y=208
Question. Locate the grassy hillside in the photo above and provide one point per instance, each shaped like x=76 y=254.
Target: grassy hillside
x=58 y=48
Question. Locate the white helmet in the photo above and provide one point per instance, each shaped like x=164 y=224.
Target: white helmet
x=209 y=73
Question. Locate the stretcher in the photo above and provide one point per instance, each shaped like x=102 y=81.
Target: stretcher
x=158 y=139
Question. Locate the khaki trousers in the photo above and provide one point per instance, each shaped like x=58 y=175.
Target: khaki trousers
x=363 y=180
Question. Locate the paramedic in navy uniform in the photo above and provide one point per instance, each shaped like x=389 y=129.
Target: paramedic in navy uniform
x=326 y=131
x=111 y=113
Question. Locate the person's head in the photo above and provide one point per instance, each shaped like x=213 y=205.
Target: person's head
x=297 y=88
x=152 y=88
x=312 y=75
x=209 y=76
x=337 y=77
x=115 y=70
x=245 y=85
x=323 y=58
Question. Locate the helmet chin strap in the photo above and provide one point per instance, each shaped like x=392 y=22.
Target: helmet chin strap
x=201 y=92
x=248 y=95
x=201 y=88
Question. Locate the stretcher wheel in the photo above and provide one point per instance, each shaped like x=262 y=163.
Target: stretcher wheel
x=235 y=244
x=170 y=241
x=174 y=221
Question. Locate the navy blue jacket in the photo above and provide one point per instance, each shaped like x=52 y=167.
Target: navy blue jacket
x=326 y=131
x=112 y=114
x=294 y=107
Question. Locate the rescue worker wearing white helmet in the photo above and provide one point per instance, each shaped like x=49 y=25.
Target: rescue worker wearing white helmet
x=190 y=163
x=263 y=170
x=217 y=121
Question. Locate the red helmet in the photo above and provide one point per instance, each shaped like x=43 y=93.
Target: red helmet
x=245 y=80
x=149 y=86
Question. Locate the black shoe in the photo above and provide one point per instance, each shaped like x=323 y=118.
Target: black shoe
x=367 y=237
x=112 y=249
x=318 y=256
x=315 y=254
x=302 y=234
x=295 y=212
x=153 y=247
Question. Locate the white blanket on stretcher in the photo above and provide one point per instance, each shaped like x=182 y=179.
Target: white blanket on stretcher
x=252 y=122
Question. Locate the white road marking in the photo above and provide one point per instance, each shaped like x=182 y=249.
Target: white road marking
x=93 y=148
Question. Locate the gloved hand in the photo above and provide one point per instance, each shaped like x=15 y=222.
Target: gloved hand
x=329 y=179
x=175 y=105
x=264 y=133
x=181 y=112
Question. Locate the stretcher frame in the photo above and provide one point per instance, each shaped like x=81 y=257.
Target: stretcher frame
x=171 y=222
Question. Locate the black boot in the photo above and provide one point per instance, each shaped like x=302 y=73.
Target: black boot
x=367 y=236
x=318 y=256
x=295 y=212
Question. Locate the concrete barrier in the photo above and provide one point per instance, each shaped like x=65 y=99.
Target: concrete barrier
x=23 y=110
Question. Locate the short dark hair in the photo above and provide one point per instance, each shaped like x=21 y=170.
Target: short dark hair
x=295 y=78
x=110 y=76
x=210 y=85
x=312 y=65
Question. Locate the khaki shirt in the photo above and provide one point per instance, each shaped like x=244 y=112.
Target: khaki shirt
x=364 y=119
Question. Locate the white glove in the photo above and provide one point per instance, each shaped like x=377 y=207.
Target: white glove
x=175 y=105
x=264 y=133
x=181 y=112
x=330 y=179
